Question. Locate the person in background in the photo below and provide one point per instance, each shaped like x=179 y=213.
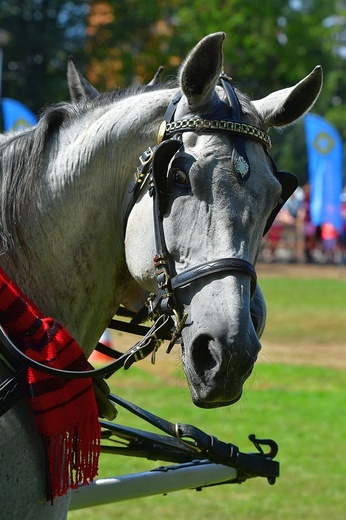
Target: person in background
x=308 y=230
x=342 y=236
x=329 y=236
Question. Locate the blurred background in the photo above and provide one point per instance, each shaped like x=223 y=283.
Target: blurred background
x=270 y=45
x=297 y=392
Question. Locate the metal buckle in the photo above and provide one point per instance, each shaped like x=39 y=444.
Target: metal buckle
x=142 y=171
x=146 y=156
x=190 y=443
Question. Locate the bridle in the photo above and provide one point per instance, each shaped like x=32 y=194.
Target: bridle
x=153 y=168
x=162 y=306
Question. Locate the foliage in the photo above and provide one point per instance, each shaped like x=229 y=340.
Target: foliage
x=42 y=33
x=270 y=45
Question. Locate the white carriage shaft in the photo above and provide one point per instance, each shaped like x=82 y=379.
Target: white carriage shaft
x=156 y=482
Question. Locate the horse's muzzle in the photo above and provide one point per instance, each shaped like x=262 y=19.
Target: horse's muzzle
x=215 y=373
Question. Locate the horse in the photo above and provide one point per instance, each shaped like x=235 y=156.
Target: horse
x=79 y=235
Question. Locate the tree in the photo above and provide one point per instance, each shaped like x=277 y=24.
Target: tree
x=128 y=40
x=270 y=45
x=42 y=34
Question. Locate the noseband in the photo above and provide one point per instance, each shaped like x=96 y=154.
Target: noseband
x=154 y=164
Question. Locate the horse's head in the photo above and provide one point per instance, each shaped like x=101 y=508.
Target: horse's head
x=215 y=199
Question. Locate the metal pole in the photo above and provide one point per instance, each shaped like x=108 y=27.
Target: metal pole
x=156 y=482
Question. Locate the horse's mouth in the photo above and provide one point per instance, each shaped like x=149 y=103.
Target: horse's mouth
x=215 y=394
x=200 y=403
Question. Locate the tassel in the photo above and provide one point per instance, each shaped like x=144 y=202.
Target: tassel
x=72 y=459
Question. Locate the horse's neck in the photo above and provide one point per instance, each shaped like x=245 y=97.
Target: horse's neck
x=75 y=231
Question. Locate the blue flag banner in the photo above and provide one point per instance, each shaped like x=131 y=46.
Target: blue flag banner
x=325 y=168
x=15 y=115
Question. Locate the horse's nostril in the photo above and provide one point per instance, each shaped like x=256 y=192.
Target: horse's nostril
x=202 y=353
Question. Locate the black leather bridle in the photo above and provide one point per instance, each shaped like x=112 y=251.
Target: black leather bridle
x=162 y=306
x=154 y=165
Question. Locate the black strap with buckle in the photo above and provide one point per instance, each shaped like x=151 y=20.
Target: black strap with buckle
x=199 y=445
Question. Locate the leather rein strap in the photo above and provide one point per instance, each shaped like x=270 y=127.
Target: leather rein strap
x=149 y=344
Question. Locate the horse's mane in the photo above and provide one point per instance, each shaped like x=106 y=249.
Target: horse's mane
x=21 y=155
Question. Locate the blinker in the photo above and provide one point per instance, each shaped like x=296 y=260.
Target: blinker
x=289 y=183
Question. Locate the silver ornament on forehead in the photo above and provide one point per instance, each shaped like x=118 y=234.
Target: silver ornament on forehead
x=241 y=166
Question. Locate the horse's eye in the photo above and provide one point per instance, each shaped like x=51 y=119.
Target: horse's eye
x=180 y=178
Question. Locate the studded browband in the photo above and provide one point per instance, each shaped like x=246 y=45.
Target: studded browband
x=233 y=127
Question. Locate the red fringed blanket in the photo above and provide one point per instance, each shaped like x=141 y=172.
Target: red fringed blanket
x=65 y=410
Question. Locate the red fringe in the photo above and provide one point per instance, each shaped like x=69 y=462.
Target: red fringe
x=65 y=412
x=72 y=458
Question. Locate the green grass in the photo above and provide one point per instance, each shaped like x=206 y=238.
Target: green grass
x=302 y=310
x=300 y=407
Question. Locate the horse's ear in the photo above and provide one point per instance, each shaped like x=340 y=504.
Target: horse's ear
x=78 y=86
x=157 y=78
x=286 y=106
x=201 y=70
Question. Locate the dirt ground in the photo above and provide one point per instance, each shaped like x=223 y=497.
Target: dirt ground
x=333 y=356
x=335 y=272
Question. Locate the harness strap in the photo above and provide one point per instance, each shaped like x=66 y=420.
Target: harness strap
x=172 y=107
x=241 y=161
x=143 y=348
x=13 y=390
x=224 y=126
x=188 y=434
x=209 y=446
x=165 y=299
